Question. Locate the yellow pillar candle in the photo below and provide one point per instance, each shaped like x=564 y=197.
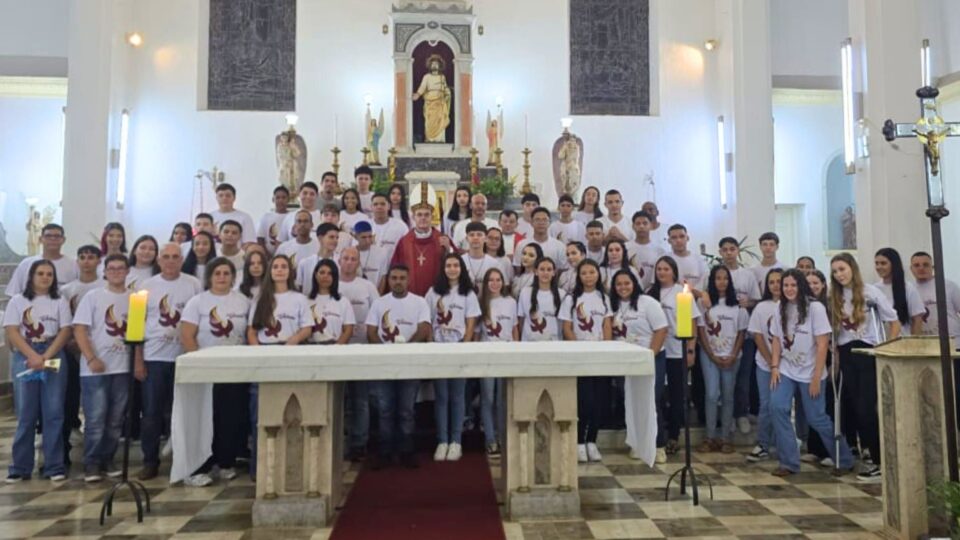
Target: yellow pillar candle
x=137 y=316
x=685 y=313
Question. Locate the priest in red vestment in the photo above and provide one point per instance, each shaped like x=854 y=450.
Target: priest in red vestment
x=423 y=247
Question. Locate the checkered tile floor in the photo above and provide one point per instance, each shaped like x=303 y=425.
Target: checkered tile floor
x=621 y=498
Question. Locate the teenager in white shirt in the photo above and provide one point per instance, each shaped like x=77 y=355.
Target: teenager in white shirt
x=760 y=331
x=459 y=209
x=303 y=244
x=332 y=315
x=397 y=317
x=142 y=261
x=538 y=304
x=552 y=248
x=268 y=230
x=665 y=289
x=528 y=203
x=586 y=316
x=363 y=177
x=805 y=265
x=642 y=251
x=52 y=238
x=329 y=184
x=921 y=266
x=769 y=244
x=328 y=236
x=498 y=322
x=478 y=213
x=37 y=327
x=214 y=318
x=202 y=250
x=589 y=209
x=308 y=201
x=616 y=225
x=801 y=332
x=566 y=229
x=475 y=259
x=254 y=268
x=594 y=235
x=387 y=231
x=721 y=331
x=454 y=309
x=494 y=247
x=113 y=241
x=352 y=212
x=182 y=233
x=398 y=204
x=658 y=229
x=99 y=326
x=902 y=294
x=373 y=259
x=639 y=319
x=576 y=253
x=230 y=234
x=527 y=274
x=614 y=259
x=851 y=312
x=168 y=293
x=226 y=196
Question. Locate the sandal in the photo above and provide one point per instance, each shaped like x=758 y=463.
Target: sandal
x=727 y=448
x=781 y=472
x=706 y=446
x=672 y=447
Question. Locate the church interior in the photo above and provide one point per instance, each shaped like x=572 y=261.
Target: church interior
x=734 y=118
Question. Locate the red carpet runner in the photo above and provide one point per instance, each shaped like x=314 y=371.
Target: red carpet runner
x=438 y=501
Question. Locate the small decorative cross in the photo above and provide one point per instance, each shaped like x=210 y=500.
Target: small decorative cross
x=421 y=259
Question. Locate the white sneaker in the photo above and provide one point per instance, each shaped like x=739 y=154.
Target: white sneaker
x=759 y=453
x=441 y=453
x=593 y=453
x=826 y=462
x=228 y=474
x=198 y=480
x=743 y=424
x=76 y=438
x=167 y=449
x=661 y=455
x=56 y=478
x=809 y=458
x=581 y=453
x=454 y=452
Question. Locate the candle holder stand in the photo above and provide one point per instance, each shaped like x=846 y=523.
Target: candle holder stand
x=687 y=469
x=140 y=495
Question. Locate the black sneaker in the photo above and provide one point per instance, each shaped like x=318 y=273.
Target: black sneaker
x=759 y=453
x=870 y=474
x=91 y=474
x=14 y=478
x=149 y=472
x=409 y=460
x=493 y=449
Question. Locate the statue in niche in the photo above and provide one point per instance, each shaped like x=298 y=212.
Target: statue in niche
x=34 y=226
x=848 y=222
x=293 y=428
x=567 y=163
x=374 y=133
x=436 y=100
x=494 y=135
x=291 y=160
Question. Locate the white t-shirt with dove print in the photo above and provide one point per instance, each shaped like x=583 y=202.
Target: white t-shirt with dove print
x=722 y=324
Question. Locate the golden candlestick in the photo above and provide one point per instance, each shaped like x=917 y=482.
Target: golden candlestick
x=499 y=161
x=526 y=188
x=474 y=166
x=366 y=155
x=336 y=167
x=392 y=164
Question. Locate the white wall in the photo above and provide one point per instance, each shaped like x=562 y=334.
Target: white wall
x=33 y=28
x=807 y=138
x=950 y=165
x=805 y=36
x=341 y=55
x=31 y=160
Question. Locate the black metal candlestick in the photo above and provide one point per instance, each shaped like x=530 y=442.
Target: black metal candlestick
x=140 y=495
x=687 y=468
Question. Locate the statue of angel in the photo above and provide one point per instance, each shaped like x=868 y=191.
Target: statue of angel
x=567 y=163
x=374 y=133
x=494 y=135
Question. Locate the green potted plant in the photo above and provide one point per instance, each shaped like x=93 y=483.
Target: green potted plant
x=497 y=190
x=944 y=502
x=381 y=182
x=748 y=256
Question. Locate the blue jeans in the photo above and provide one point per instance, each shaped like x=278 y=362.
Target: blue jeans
x=719 y=386
x=32 y=399
x=254 y=430
x=395 y=400
x=359 y=392
x=765 y=435
x=491 y=392
x=781 y=404
x=157 y=392
x=659 y=386
x=741 y=394
x=104 y=406
x=449 y=409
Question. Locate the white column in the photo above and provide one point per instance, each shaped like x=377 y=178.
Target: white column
x=747 y=108
x=86 y=156
x=890 y=186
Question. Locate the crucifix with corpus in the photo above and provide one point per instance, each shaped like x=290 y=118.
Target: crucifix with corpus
x=931 y=130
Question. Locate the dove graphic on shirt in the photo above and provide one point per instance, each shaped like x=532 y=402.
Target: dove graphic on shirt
x=619 y=328
x=273 y=232
x=444 y=316
x=32 y=330
x=848 y=325
x=537 y=324
x=74 y=302
x=114 y=328
x=388 y=332
x=169 y=317
x=217 y=326
x=273 y=329
x=493 y=330
x=926 y=314
x=584 y=321
x=319 y=321
x=788 y=342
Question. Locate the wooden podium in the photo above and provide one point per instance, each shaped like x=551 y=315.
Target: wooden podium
x=912 y=432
